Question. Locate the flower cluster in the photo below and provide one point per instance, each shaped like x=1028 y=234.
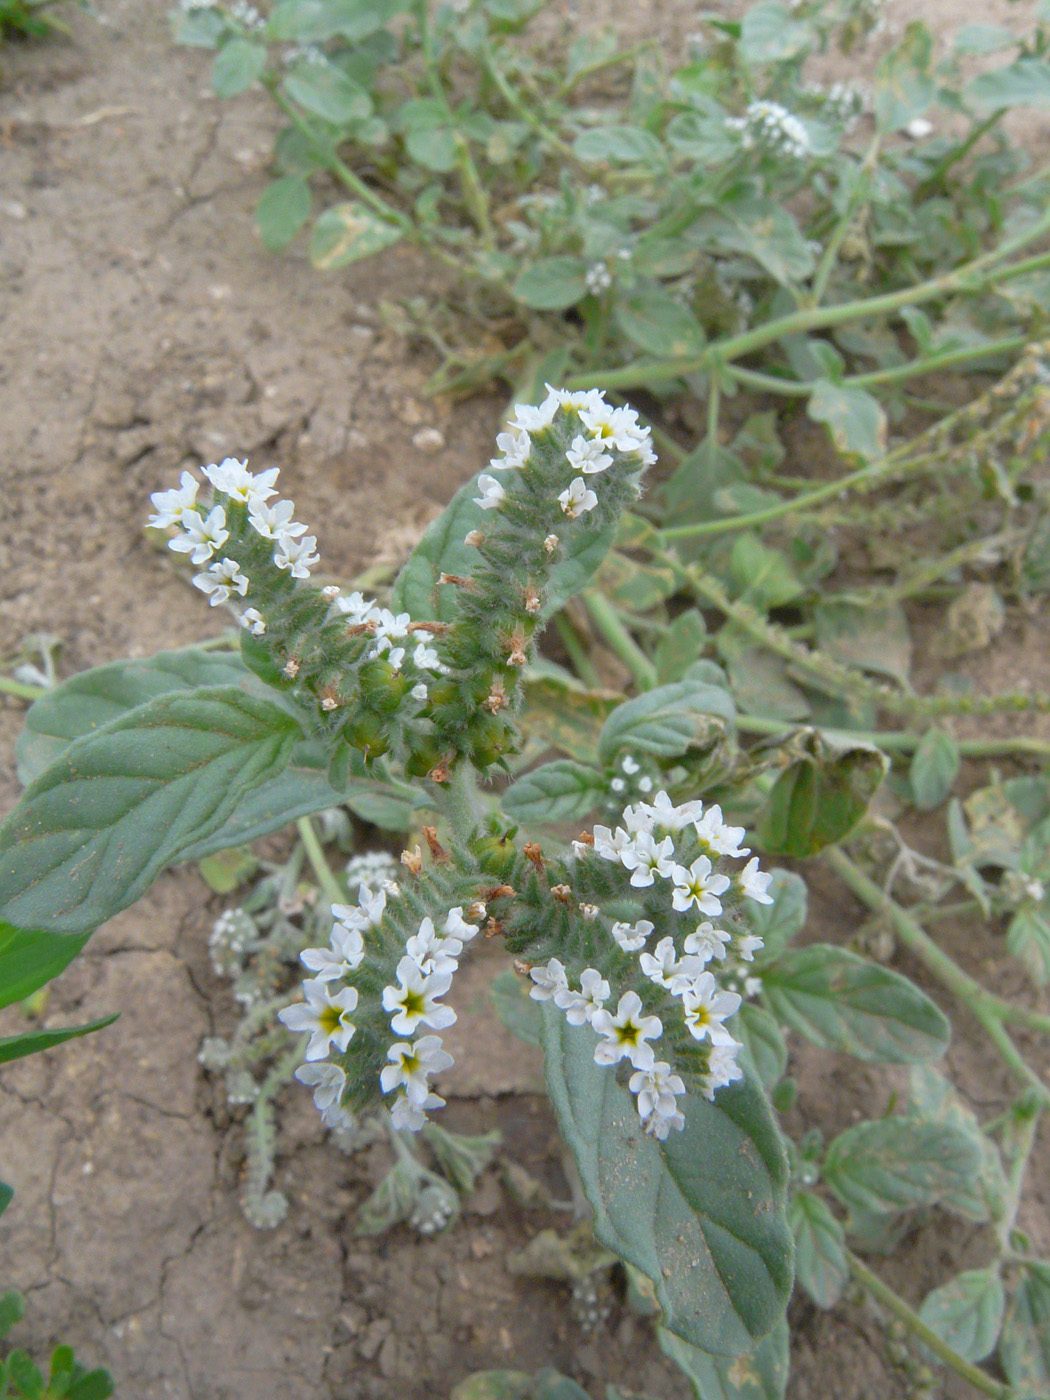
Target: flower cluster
x=769 y=126
x=411 y=1004
x=671 y=856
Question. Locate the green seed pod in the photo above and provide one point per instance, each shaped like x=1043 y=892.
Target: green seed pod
x=382 y=686
x=368 y=733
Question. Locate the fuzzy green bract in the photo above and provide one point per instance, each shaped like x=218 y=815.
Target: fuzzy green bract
x=701 y=1214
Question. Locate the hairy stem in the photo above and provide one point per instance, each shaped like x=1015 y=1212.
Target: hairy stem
x=333 y=892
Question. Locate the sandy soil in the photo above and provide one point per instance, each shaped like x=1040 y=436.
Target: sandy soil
x=144 y=329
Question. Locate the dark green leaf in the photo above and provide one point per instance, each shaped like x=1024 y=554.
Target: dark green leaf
x=650 y=316
x=934 y=1098
x=31 y=957
x=967 y=1312
x=558 y=792
x=897 y=1164
x=15 y=1047
x=1024 y=1349
x=238 y=64
x=839 y=1001
x=702 y=1214
x=854 y=419
x=821 y=1266
x=26 y=1375
x=93 y=1385
x=669 y=720
x=62 y=1365
x=821 y=795
x=442 y=551
x=680 y=646
x=618 y=145
x=282 y=210
x=778 y=923
x=551 y=284
x=762 y=576
x=934 y=768
x=756 y=1375
x=12 y=1304
x=93 y=832
x=494 y=1385
x=764 y=1043
x=346 y=233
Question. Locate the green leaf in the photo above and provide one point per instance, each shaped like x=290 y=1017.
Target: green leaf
x=515 y=1008
x=778 y=923
x=12 y=1304
x=62 y=1366
x=702 y=1214
x=896 y=1164
x=26 y=1375
x=15 y=1047
x=551 y=284
x=93 y=832
x=821 y=1266
x=93 y=1385
x=561 y=791
x=770 y=33
x=771 y=235
x=200 y=29
x=755 y=1375
x=857 y=634
x=669 y=720
x=822 y=794
x=228 y=869
x=282 y=210
x=854 y=419
x=967 y=1312
x=6 y=1196
x=313 y=21
x=442 y=551
x=680 y=646
x=934 y=769
x=326 y=92
x=764 y=1043
x=494 y=1385
x=904 y=84
x=652 y=319
x=560 y=712
x=1024 y=1349
x=346 y=233
x=839 y=1001
x=238 y=64
x=984 y=38
x=31 y=957
x=1028 y=938
x=1025 y=83
x=619 y=145
x=933 y=1098
x=761 y=575
x=430 y=137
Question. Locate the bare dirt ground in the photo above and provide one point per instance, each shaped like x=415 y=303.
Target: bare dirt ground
x=143 y=329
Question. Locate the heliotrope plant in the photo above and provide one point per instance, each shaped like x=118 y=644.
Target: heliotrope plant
x=648 y=954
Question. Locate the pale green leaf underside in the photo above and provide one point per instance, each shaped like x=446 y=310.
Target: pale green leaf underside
x=703 y=1214
x=92 y=833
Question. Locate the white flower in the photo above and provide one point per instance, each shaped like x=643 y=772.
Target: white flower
x=639 y=818
x=626 y=1034
x=647 y=858
x=426 y=658
x=394 y=658
x=535 y=418
x=431 y=952
x=699 y=885
x=411 y=1065
x=203 y=535
x=274 y=522
x=586 y=455
x=618 y=785
x=548 y=980
x=367 y=914
x=328 y=1082
x=707 y=942
x=457 y=927
x=346 y=953
x=414 y=999
x=236 y=480
x=492 y=493
x=577 y=498
x=611 y=847
x=409 y=1117
x=220 y=580
x=754 y=883
x=515 y=445
x=631 y=937
x=748 y=946
x=296 y=555
x=419 y=692
x=597 y=278
x=580 y=1006
x=630 y=767
x=620 y=427
x=656 y=1089
x=706 y=1007
x=919 y=128
x=253 y=620
x=171 y=505
x=326 y=1015
x=390 y=628
x=722 y=1068
x=358 y=608
x=661 y=965
x=724 y=840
